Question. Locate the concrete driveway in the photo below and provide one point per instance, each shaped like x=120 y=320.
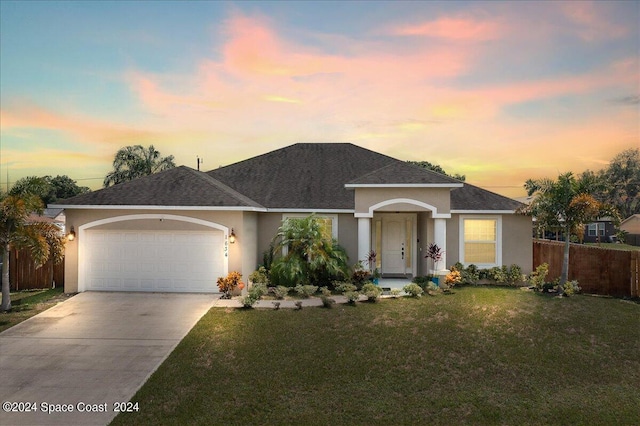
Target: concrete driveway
x=90 y=354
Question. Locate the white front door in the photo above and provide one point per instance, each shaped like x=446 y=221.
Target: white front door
x=397 y=237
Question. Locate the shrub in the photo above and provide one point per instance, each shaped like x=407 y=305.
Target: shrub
x=258 y=290
x=344 y=286
x=413 y=290
x=432 y=289
x=298 y=305
x=424 y=282
x=229 y=283
x=497 y=274
x=371 y=291
x=306 y=291
x=468 y=275
x=260 y=276
x=352 y=296
x=536 y=279
x=327 y=302
x=360 y=275
x=280 y=292
x=325 y=291
x=571 y=288
x=310 y=257
x=395 y=292
x=249 y=300
x=454 y=277
x=514 y=274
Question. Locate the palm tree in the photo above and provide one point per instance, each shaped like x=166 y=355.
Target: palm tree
x=566 y=204
x=44 y=240
x=310 y=257
x=135 y=161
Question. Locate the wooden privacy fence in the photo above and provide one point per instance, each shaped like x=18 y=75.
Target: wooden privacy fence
x=23 y=274
x=598 y=270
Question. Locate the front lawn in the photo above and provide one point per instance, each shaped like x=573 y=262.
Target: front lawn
x=615 y=246
x=479 y=356
x=25 y=304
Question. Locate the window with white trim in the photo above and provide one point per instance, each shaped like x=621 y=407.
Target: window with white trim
x=596 y=229
x=480 y=241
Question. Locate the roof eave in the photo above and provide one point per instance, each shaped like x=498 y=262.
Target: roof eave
x=143 y=207
x=403 y=185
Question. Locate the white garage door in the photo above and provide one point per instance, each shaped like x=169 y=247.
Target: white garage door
x=163 y=261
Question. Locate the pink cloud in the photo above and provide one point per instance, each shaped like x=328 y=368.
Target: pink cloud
x=592 y=21
x=452 y=28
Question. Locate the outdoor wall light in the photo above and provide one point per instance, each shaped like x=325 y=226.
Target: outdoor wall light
x=72 y=235
x=232 y=237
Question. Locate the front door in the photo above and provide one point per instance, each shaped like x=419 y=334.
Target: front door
x=397 y=252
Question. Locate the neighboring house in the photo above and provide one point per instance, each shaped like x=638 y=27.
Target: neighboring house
x=171 y=231
x=600 y=231
x=632 y=226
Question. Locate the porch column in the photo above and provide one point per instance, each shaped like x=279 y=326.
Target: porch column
x=364 y=237
x=440 y=238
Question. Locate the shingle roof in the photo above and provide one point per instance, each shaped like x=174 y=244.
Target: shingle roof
x=304 y=175
x=181 y=186
x=403 y=173
x=309 y=176
x=471 y=197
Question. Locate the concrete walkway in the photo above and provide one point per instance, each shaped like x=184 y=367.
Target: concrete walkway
x=89 y=353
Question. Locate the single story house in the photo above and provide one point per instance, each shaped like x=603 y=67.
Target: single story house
x=601 y=230
x=179 y=230
x=631 y=225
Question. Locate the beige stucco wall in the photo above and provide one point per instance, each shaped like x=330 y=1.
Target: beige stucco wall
x=436 y=197
x=241 y=254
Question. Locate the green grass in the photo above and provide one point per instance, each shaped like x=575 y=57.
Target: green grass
x=614 y=246
x=25 y=304
x=479 y=356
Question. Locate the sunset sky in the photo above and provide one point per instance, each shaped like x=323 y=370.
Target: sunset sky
x=498 y=91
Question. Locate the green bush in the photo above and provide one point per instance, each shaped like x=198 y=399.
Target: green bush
x=371 y=291
x=249 y=300
x=571 y=288
x=468 y=275
x=280 y=292
x=258 y=290
x=327 y=302
x=260 y=276
x=325 y=291
x=352 y=296
x=514 y=275
x=432 y=288
x=306 y=291
x=395 y=292
x=343 y=287
x=310 y=259
x=413 y=290
x=537 y=278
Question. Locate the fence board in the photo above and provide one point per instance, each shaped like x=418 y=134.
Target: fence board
x=598 y=270
x=23 y=274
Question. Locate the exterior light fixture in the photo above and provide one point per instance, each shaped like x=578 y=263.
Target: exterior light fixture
x=71 y=235
x=232 y=237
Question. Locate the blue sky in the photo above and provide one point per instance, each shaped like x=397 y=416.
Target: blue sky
x=499 y=91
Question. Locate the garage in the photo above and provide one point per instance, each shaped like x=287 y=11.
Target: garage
x=154 y=261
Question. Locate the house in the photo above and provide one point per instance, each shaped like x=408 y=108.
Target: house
x=179 y=230
x=631 y=225
x=602 y=230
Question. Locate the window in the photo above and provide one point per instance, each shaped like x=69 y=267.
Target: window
x=480 y=241
x=596 y=229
